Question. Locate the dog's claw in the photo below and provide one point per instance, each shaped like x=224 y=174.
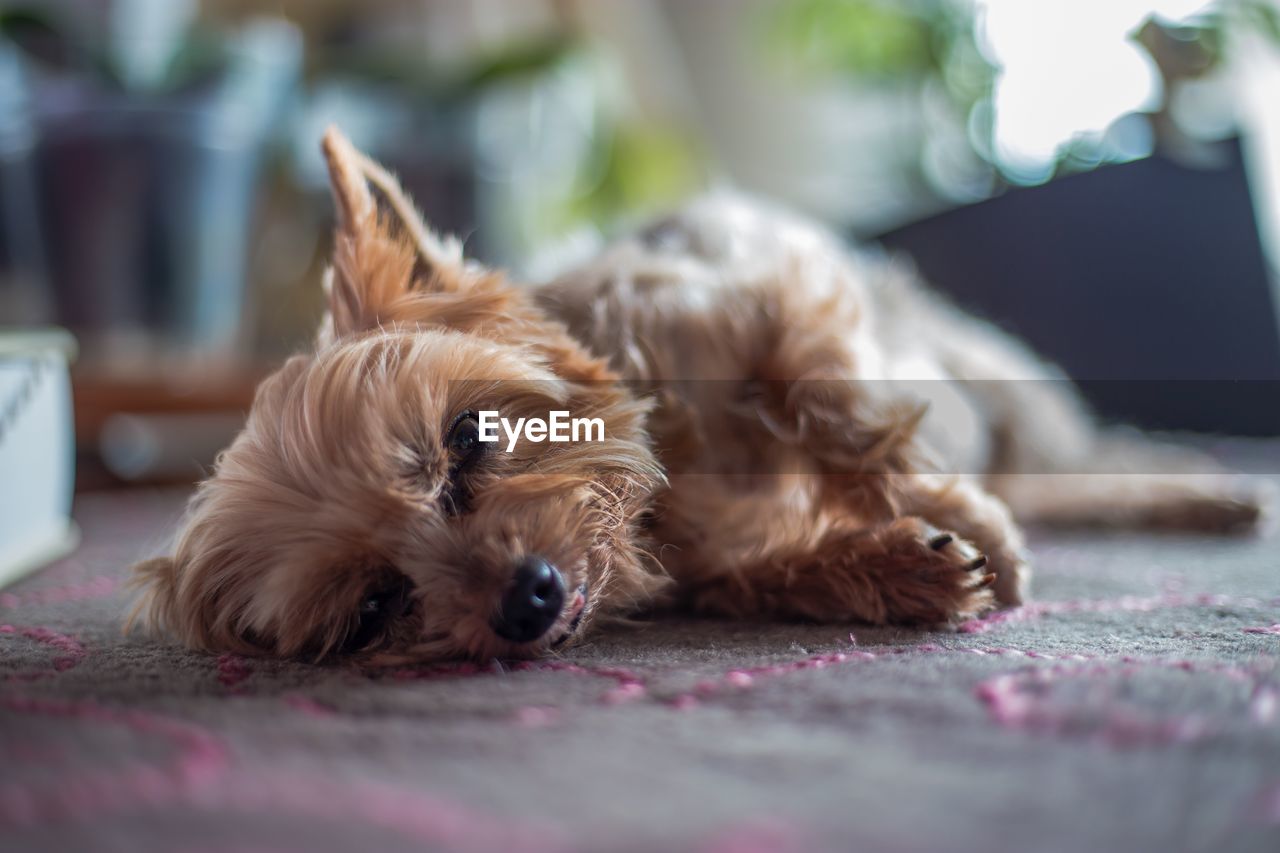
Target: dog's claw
x=941 y=541
x=987 y=580
x=978 y=563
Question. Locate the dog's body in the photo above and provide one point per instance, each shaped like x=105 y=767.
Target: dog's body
x=787 y=486
x=790 y=431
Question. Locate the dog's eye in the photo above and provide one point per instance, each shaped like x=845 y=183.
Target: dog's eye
x=464 y=436
x=387 y=599
x=465 y=449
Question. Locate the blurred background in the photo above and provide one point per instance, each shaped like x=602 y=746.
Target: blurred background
x=1101 y=176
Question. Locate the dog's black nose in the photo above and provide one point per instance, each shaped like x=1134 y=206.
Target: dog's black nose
x=532 y=603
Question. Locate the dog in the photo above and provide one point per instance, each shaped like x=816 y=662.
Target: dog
x=791 y=430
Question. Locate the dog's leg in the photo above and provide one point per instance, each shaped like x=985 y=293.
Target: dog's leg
x=1053 y=464
x=1056 y=466
x=962 y=505
x=1133 y=482
x=881 y=542
x=864 y=440
x=905 y=571
x=863 y=437
x=955 y=504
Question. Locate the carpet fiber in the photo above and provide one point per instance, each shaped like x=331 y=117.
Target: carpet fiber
x=1134 y=705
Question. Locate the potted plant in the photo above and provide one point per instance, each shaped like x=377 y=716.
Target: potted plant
x=131 y=178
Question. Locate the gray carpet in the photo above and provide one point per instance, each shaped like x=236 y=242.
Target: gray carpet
x=1135 y=705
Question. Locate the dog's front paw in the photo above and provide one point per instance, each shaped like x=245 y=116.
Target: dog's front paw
x=933 y=576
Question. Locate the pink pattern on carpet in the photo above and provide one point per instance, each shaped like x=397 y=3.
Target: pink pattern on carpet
x=1266 y=629
x=199 y=759
x=200 y=775
x=1017 y=701
x=1004 y=694
x=73 y=650
x=747 y=677
x=233 y=670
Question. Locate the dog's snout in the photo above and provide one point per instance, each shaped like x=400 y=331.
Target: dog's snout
x=532 y=603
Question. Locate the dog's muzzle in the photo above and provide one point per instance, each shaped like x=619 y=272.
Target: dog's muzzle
x=532 y=602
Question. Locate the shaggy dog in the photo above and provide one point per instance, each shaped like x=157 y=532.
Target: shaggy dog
x=790 y=431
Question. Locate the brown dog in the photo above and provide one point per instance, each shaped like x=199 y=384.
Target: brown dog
x=788 y=431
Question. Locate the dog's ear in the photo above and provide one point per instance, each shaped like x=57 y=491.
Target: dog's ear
x=155 y=580
x=383 y=252
x=203 y=612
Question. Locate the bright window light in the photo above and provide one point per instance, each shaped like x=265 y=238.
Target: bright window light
x=1068 y=68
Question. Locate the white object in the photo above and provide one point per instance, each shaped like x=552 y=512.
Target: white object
x=37 y=451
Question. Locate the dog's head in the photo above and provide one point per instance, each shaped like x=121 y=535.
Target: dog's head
x=359 y=511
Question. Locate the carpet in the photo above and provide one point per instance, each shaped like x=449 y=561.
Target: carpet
x=1133 y=705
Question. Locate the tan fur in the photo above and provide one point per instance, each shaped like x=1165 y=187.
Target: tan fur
x=777 y=444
